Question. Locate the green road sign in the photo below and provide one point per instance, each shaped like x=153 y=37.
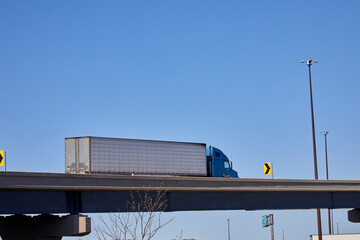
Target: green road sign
x=264 y=221
x=267 y=220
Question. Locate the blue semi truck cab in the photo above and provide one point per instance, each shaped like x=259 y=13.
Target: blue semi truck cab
x=219 y=164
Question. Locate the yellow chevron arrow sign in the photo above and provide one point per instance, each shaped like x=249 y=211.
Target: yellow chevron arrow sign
x=2 y=158
x=267 y=168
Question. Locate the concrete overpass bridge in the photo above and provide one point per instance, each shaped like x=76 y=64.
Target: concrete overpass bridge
x=52 y=193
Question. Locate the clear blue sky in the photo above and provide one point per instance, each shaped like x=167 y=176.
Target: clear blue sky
x=226 y=73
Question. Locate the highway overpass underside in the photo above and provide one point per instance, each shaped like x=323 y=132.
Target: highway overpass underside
x=46 y=202
x=52 y=193
x=43 y=193
x=50 y=227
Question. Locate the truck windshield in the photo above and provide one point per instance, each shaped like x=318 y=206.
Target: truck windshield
x=226 y=165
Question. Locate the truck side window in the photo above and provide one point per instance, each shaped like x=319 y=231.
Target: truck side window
x=226 y=165
x=217 y=154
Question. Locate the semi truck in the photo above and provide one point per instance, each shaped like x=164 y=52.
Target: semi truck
x=88 y=155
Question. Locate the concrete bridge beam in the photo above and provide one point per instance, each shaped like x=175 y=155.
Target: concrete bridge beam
x=43 y=227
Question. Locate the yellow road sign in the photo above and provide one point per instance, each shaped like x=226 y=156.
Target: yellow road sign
x=2 y=158
x=267 y=168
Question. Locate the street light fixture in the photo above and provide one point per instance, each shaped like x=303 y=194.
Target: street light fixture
x=309 y=63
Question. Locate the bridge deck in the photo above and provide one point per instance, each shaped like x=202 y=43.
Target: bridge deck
x=102 y=182
x=28 y=192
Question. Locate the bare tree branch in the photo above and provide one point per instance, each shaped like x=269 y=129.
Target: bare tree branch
x=141 y=221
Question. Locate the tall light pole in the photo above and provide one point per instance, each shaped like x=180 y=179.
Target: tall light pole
x=228 y=220
x=309 y=63
x=325 y=132
x=283 y=234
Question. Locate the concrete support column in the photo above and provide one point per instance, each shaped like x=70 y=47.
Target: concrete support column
x=30 y=238
x=43 y=227
x=354 y=215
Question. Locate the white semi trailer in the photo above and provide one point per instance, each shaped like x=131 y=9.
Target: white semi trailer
x=149 y=157
x=352 y=236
